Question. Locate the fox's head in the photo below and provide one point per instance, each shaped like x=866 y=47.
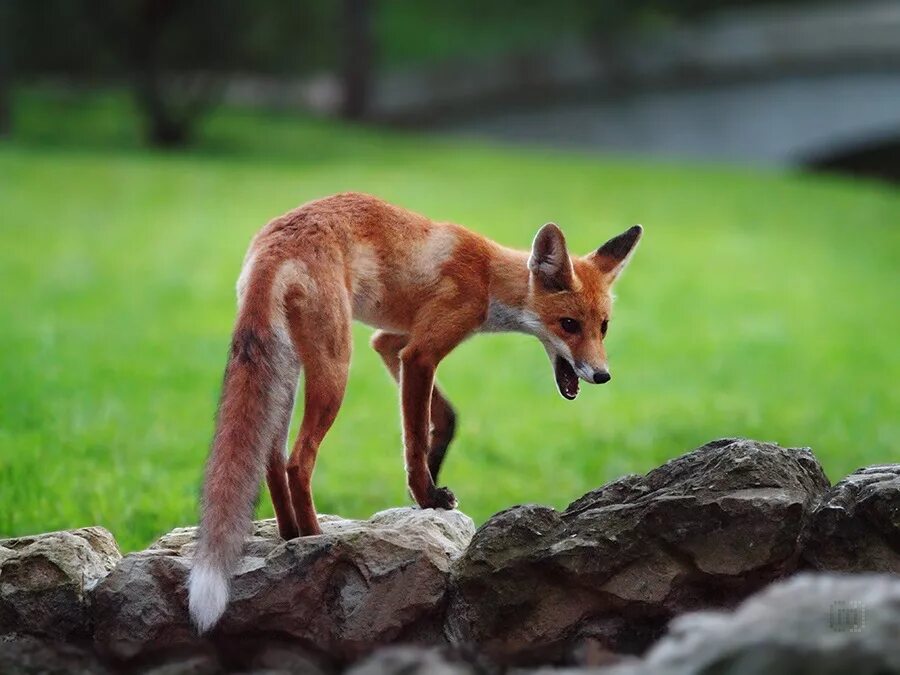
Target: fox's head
x=571 y=301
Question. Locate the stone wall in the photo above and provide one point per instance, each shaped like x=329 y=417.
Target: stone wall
x=597 y=584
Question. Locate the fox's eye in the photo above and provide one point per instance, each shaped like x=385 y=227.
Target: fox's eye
x=604 y=326
x=570 y=325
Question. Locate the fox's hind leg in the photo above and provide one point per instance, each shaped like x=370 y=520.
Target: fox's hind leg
x=321 y=333
x=276 y=477
x=443 y=416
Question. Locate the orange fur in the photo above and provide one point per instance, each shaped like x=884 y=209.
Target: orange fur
x=426 y=286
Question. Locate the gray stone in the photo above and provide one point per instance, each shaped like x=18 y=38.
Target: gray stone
x=704 y=530
x=856 y=526
x=812 y=624
x=185 y=664
x=359 y=585
x=284 y=658
x=45 y=580
x=32 y=655
x=407 y=660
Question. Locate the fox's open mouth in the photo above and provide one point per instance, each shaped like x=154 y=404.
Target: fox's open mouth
x=566 y=379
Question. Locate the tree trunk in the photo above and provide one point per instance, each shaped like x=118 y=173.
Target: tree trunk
x=5 y=69
x=164 y=127
x=358 y=43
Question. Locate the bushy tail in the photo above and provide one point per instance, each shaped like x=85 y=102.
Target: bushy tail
x=259 y=380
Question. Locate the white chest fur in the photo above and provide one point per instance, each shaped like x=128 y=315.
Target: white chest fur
x=504 y=318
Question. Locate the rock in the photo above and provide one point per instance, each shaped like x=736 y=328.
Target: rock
x=704 y=530
x=359 y=585
x=815 y=624
x=184 y=664
x=31 y=655
x=283 y=658
x=45 y=579
x=407 y=660
x=856 y=526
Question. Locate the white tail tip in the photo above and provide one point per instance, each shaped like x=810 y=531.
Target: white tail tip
x=208 y=591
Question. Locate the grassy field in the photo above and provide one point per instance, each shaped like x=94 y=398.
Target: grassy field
x=759 y=305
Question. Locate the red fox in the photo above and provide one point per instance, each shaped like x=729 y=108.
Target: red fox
x=425 y=286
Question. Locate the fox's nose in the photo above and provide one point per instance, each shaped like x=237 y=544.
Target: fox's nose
x=601 y=377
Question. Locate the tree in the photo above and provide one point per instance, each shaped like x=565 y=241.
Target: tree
x=172 y=51
x=358 y=53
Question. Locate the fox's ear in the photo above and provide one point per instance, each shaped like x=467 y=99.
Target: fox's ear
x=612 y=257
x=549 y=261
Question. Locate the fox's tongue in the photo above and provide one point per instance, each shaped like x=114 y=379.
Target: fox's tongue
x=566 y=379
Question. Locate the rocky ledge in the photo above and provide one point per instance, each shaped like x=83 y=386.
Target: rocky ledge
x=647 y=574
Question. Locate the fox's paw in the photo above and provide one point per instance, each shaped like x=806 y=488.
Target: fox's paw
x=442 y=498
x=288 y=532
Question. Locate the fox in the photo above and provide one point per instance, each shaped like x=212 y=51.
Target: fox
x=424 y=286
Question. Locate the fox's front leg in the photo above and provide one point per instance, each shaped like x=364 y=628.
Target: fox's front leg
x=416 y=383
x=443 y=417
x=439 y=329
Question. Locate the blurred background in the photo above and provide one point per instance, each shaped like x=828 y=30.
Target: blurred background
x=143 y=142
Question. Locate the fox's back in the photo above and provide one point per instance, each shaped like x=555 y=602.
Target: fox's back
x=390 y=260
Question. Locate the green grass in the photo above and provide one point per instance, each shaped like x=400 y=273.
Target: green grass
x=759 y=305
